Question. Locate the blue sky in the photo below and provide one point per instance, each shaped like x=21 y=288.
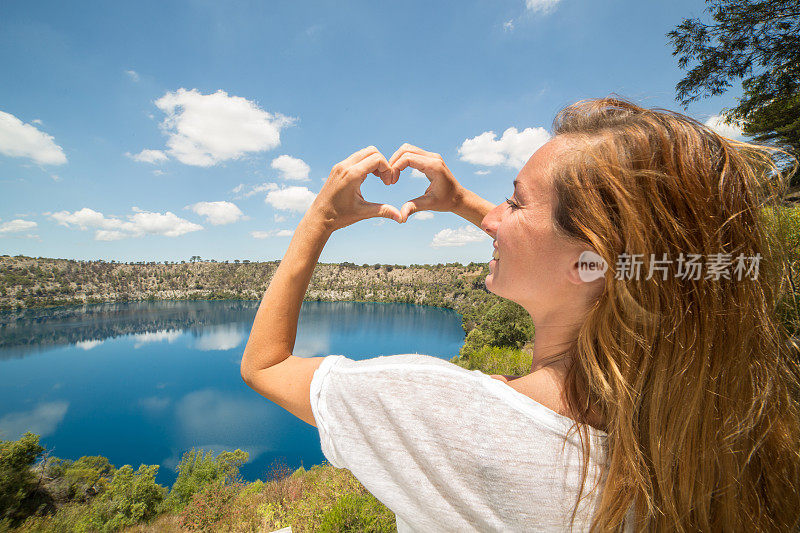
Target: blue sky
x=161 y=130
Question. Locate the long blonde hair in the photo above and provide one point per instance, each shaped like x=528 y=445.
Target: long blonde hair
x=696 y=378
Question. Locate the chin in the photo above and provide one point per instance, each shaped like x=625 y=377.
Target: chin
x=489 y=282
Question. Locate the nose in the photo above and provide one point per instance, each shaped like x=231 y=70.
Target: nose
x=491 y=221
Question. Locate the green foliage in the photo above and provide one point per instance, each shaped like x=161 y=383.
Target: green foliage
x=505 y=324
x=754 y=41
x=197 y=470
x=357 y=513
x=68 y=517
x=208 y=507
x=131 y=497
x=503 y=360
x=508 y=324
x=784 y=223
x=17 y=482
x=87 y=477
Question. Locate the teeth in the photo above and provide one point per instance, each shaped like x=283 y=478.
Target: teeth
x=495 y=255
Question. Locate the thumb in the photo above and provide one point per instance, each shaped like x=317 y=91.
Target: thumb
x=372 y=209
x=420 y=203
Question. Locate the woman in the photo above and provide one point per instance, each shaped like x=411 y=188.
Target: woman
x=661 y=397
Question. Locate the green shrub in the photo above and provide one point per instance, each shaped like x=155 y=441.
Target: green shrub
x=197 y=470
x=357 y=513
x=69 y=517
x=131 y=497
x=503 y=360
x=784 y=223
x=18 y=487
x=80 y=480
x=507 y=324
x=208 y=507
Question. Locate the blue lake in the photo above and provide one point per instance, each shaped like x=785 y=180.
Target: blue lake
x=144 y=382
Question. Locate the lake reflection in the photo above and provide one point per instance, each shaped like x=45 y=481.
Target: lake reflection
x=144 y=382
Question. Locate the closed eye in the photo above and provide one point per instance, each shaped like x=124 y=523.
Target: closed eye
x=514 y=205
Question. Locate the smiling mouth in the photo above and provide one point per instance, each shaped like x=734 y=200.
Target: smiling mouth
x=496 y=255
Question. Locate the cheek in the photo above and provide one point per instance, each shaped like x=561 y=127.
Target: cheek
x=535 y=254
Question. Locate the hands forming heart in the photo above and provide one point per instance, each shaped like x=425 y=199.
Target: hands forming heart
x=340 y=202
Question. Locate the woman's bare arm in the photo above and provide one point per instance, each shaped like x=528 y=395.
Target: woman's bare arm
x=473 y=207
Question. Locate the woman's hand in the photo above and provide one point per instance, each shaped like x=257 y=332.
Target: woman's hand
x=444 y=192
x=340 y=203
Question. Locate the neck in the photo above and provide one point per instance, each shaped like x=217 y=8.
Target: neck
x=553 y=336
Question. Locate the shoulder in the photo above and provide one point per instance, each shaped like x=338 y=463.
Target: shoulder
x=408 y=379
x=410 y=363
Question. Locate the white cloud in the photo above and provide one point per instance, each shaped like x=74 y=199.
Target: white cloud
x=18 y=139
x=541 y=6
x=109 y=235
x=132 y=74
x=162 y=335
x=292 y=198
x=458 y=237
x=482 y=172
x=154 y=404
x=417 y=174
x=271 y=233
x=508 y=25
x=224 y=337
x=422 y=215
x=167 y=224
x=279 y=218
x=732 y=131
x=42 y=420
x=246 y=191
x=210 y=416
x=148 y=156
x=88 y=345
x=17 y=225
x=291 y=168
x=513 y=149
x=206 y=129
x=138 y=224
x=218 y=213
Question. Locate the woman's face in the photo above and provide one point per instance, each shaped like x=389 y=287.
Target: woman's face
x=534 y=266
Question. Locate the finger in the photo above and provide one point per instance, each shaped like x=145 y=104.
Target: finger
x=414 y=149
x=409 y=148
x=422 y=163
x=420 y=203
x=372 y=209
x=501 y=378
x=358 y=156
x=374 y=163
x=386 y=176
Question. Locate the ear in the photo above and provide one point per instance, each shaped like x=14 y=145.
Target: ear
x=588 y=267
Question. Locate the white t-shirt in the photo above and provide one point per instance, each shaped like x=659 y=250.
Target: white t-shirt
x=450 y=449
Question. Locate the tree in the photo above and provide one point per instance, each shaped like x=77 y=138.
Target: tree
x=757 y=41
x=17 y=481
x=198 y=469
x=131 y=497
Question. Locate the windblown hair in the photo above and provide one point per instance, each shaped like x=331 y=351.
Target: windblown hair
x=696 y=376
